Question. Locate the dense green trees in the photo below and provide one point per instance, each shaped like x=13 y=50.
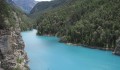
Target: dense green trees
x=4 y=12
x=25 y=22
x=7 y=18
x=90 y=22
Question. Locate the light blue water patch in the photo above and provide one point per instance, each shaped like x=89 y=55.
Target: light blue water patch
x=46 y=53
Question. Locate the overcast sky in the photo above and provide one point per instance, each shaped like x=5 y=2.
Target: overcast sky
x=42 y=0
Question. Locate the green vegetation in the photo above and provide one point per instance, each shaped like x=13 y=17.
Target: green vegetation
x=42 y=7
x=3 y=13
x=26 y=23
x=17 y=68
x=89 y=22
x=7 y=17
x=20 y=60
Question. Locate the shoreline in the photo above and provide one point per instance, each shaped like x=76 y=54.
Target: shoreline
x=91 y=47
x=83 y=45
x=99 y=48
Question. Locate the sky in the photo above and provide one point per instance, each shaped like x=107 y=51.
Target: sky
x=42 y=0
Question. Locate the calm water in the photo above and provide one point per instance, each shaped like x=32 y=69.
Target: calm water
x=46 y=53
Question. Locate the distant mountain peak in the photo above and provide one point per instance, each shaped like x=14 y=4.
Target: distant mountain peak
x=25 y=5
x=47 y=5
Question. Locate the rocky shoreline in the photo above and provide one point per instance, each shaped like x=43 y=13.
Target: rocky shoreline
x=12 y=54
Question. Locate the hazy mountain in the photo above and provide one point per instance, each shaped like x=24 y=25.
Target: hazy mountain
x=10 y=2
x=26 y=5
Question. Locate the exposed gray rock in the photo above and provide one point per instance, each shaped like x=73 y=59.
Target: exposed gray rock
x=12 y=54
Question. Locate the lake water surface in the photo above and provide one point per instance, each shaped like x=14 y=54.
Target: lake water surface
x=46 y=53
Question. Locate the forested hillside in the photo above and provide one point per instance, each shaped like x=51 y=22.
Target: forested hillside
x=3 y=13
x=45 y=6
x=89 y=22
x=6 y=12
x=27 y=22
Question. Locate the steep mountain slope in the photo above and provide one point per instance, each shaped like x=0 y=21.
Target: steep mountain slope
x=41 y=7
x=10 y=2
x=26 y=21
x=12 y=54
x=25 y=5
x=90 y=22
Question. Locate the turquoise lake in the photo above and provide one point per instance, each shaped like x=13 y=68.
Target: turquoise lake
x=46 y=53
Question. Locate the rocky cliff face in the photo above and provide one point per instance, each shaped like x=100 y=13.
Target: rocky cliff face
x=12 y=54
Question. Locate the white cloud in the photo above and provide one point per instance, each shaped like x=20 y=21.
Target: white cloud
x=42 y=0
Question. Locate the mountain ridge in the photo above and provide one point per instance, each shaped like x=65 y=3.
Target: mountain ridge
x=45 y=6
x=25 y=5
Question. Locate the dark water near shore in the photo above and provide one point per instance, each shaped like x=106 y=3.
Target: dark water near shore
x=46 y=53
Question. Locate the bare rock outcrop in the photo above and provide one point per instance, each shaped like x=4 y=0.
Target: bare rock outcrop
x=12 y=54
